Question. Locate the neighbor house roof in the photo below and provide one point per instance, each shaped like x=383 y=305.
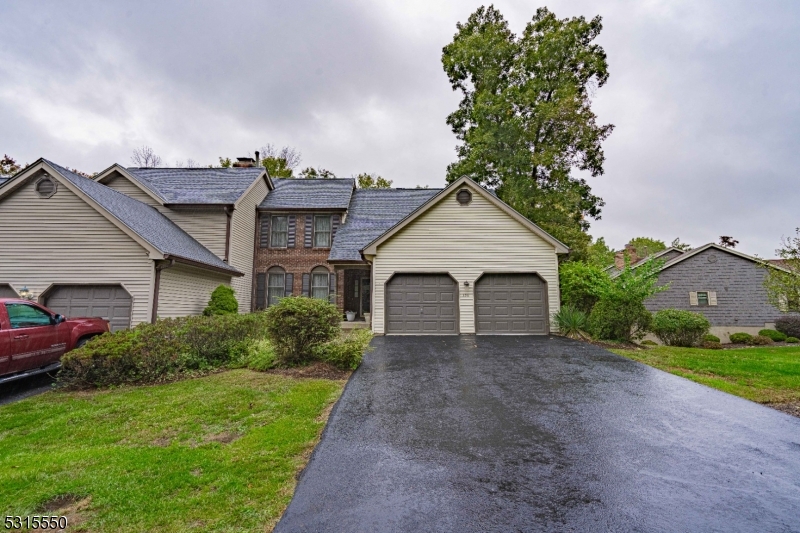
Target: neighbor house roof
x=372 y=212
x=613 y=271
x=197 y=186
x=146 y=222
x=4 y=179
x=731 y=251
x=309 y=194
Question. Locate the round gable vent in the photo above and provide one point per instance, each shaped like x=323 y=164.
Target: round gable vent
x=46 y=187
x=464 y=197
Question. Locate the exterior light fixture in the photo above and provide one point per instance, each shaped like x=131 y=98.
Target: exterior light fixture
x=466 y=283
x=25 y=293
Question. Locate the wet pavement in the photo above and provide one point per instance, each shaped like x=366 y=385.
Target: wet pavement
x=542 y=434
x=25 y=388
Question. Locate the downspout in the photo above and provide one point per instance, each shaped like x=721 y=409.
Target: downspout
x=229 y=215
x=159 y=268
x=256 y=230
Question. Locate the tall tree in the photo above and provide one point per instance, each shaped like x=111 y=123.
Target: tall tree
x=727 y=241
x=145 y=157
x=312 y=173
x=599 y=254
x=676 y=243
x=646 y=246
x=525 y=119
x=372 y=181
x=8 y=166
x=783 y=286
x=280 y=163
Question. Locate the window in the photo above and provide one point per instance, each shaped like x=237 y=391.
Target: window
x=322 y=231
x=279 y=233
x=702 y=298
x=276 y=285
x=27 y=316
x=320 y=283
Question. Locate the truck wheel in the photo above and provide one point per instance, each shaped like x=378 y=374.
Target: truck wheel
x=82 y=341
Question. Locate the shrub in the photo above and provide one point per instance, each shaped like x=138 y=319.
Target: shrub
x=675 y=327
x=792 y=340
x=761 y=340
x=711 y=338
x=776 y=336
x=222 y=302
x=297 y=325
x=346 y=350
x=648 y=342
x=571 y=322
x=261 y=356
x=741 y=338
x=581 y=284
x=619 y=321
x=789 y=325
x=711 y=345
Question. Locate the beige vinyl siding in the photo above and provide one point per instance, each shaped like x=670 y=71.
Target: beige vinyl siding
x=120 y=183
x=243 y=228
x=464 y=241
x=64 y=240
x=185 y=290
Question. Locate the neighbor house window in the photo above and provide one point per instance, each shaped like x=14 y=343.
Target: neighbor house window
x=276 y=285
x=322 y=231
x=702 y=298
x=320 y=283
x=279 y=234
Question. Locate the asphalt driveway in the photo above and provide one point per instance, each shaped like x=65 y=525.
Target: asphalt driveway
x=542 y=434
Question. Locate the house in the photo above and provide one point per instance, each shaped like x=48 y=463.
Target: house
x=130 y=245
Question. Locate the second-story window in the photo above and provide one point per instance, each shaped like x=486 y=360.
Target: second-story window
x=322 y=231
x=279 y=234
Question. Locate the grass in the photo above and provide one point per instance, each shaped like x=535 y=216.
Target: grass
x=218 y=453
x=760 y=374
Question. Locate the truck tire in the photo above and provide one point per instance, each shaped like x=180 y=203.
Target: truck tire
x=82 y=341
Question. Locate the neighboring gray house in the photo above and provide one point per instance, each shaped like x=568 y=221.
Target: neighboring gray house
x=723 y=284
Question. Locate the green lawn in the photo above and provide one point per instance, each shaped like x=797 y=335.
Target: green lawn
x=763 y=374
x=218 y=453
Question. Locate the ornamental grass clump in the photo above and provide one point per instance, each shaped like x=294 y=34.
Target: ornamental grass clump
x=572 y=322
x=675 y=327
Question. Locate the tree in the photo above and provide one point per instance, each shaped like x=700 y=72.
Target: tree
x=581 y=284
x=190 y=163
x=8 y=166
x=676 y=243
x=225 y=162
x=525 y=119
x=145 y=157
x=280 y=163
x=599 y=254
x=645 y=246
x=727 y=241
x=783 y=286
x=311 y=173
x=372 y=181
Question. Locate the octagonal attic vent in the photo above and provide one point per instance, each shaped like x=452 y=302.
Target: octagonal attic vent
x=46 y=187
x=464 y=197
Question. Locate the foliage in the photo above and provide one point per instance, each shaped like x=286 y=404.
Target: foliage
x=648 y=342
x=675 y=327
x=599 y=254
x=581 y=284
x=261 y=356
x=783 y=286
x=645 y=246
x=792 y=340
x=741 y=338
x=676 y=243
x=372 y=181
x=165 y=451
x=788 y=325
x=280 y=163
x=297 y=325
x=727 y=241
x=346 y=350
x=145 y=157
x=572 y=322
x=222 y=302
x=311 y=173
x=761 y=340
x=225 y=162
x=711 y=338
x=8 y=166
x=525 y=118
x=617 y=320
x=164 y=351
x=711 y=345
x=776 y=336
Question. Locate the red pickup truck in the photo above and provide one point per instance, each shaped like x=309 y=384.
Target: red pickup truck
x=33 y=338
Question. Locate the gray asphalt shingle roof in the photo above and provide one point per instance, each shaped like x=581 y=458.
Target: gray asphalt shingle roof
x=309 y=194
x=373 y=212
x=197 y=185
x=159 y=231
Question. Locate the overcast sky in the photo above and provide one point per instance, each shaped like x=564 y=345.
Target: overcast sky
x=705 y=96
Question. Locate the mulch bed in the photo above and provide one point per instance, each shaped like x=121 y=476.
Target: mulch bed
x=315 y=371
x=791 y=408
x=616 y=345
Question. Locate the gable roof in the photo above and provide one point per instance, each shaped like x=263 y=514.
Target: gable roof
x=142 y=222
x=298 y=193
x=614 y=271
x=372 y=212
x=192 y=186
x=372 y=247
x=711 y=245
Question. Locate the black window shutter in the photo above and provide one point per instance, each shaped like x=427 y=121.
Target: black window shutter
x=261 y=291
x=292 y=231
x=263 y=241
x=309 y=227
x=306 y=284
x=335 y=219
x=288 y=288
x=332 y=287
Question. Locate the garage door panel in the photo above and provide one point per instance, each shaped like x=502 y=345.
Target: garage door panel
x=111 y=302
x=421 y=304
x=510 y=304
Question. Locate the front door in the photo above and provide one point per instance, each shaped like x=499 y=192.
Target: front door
x=365 y=295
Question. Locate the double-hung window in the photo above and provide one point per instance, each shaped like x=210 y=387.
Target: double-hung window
x=322 y=231
x=702 y=298
x=279 y=232
x=320 y=283
x=276 y=285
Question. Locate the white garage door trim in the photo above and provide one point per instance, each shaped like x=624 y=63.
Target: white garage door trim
x=6 y=290
x=47 y=293
x=387 y=302
x=545 y=297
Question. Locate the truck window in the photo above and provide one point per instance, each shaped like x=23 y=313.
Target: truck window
x=26 y=316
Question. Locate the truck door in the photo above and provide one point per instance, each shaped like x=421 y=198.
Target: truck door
x=5 y=347
x=34 y=338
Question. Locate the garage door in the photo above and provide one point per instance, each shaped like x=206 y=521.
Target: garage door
x=511 y=303
x=7 y=292
x=111 y=302
x=421 y=304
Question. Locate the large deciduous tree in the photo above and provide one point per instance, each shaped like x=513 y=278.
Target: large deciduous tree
x=525 y=120
x=8 y=166
x=372 y=181
x=145 y=157
x=783 y=285
x=280 y=163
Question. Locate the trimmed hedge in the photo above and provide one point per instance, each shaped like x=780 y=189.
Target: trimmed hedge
x=741 y=338
x=222 y=302
x=711 y=338
x=675 y=327
x=346 y=350
x=297 y=325
x=789 y=325
x=761 y=340
x=776 y=336
x=792 y=340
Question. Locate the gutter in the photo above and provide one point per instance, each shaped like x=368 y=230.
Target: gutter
x=228 y=271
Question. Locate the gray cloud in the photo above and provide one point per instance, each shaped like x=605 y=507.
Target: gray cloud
x=703 y=96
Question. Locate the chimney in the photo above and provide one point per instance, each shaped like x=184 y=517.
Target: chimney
x=630 y=252
x=258 y=158
x=619 y=260
x=244 y=162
